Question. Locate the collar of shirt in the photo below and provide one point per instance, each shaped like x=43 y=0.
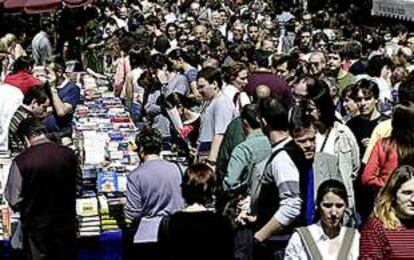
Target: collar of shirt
x=63 y=84
x=281 y=143
x=254 y=134
x=320 y=235
x=27 y=110
x=40 y=140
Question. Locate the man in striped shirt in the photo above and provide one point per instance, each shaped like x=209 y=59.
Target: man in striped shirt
x=35 y=104
x=278 y=200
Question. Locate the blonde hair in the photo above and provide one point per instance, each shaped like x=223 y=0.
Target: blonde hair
x=385 y=204
x=8 y=39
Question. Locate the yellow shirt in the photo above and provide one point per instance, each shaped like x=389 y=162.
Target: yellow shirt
x=382 y=130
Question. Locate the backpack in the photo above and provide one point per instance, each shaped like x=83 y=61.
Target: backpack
x=269 y=206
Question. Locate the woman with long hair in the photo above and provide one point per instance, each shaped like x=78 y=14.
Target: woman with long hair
x=327 y=238
x=388 y=153
x=333 y=139
x=389 y=232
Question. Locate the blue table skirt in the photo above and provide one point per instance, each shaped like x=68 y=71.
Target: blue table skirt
x=108 y=246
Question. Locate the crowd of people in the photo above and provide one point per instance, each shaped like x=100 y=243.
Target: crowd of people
x=296 y=125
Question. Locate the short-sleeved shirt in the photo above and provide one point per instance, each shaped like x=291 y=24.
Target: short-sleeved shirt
x=216 y=117
x=69 y=93
x=191 y=74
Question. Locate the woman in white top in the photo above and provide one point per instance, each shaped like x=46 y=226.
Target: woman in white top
x=236 y=78
x=327 y=238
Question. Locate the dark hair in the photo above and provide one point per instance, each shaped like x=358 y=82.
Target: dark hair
x=22 y=63
x=177 y=100
x=171 y=25
x=275 y=112
x=138 y=58
x=406 y=89
x=398 y=28
x=211 y=75
x=37 y=93
x=350 y=91
x=162 y=44
x=186 y=56
x=368 y=87
x=198 y=184
x=402 y=134
x=149 y=141
x=250 y=113
x=321 y=36
x=30 y=127
x=158 y=61
x=376 y=64
x=291 y=60
x=331 y=185
x=319 y=93
x=152 y=20
x=261 y=58
x=299 y=120
x=353 y=50
x=231 y=72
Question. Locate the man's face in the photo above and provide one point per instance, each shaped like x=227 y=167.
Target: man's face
x=306 y=141
x=300 y=91
x=253 y=33
x=123 y=12
x=200 y=31
x=334 y=61
x=366 y=103
x=195 y=9
x=185 y=29
x=321 y=45
x=39 y=110
x=305 y=39
x=307 y=19
x=268 y=45
x=238 y=32
x=111 y=29
x=215 y=19
x=172 y=32
x=316 y=65
x=207 y=90
x=282 y=71
x=223 y=17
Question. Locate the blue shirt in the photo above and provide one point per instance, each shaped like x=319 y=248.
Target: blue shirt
x=153 y=191
x=69 y=93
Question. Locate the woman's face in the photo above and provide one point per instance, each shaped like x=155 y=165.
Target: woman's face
x=332 y=209
x=241 y=80
x=405 y=199
x=351 y=107
x=313 y=111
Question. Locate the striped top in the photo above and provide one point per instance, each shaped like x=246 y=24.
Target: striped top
x=16 y=144
x=377 y=242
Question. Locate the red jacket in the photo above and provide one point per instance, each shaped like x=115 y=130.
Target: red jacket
x=380 y=165
x=23 y=80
